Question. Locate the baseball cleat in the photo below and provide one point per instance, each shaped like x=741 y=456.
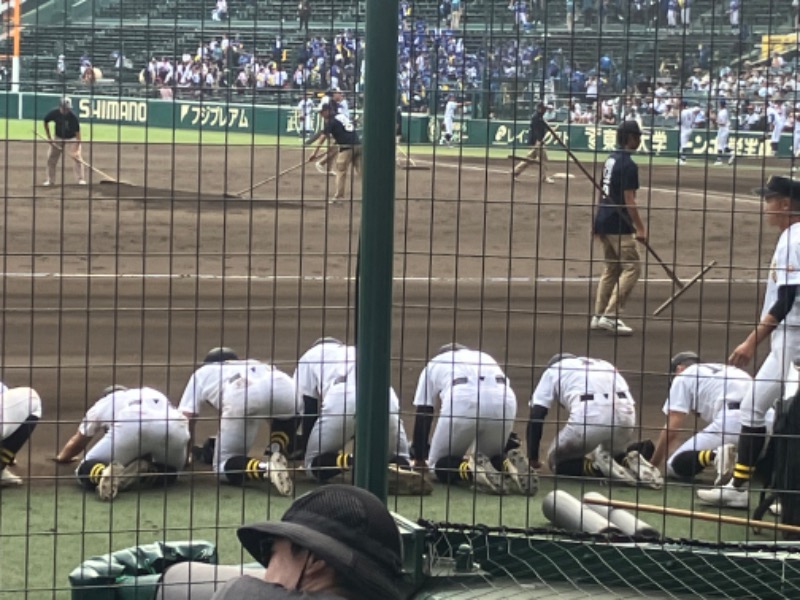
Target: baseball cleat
x=525 y=479
x=279 y=474
x=108 y=486
x=405 y=482
x=130 y=473
x=605 y=463
x=644 y=472
x=81 y=182
x=727 y=496
x=724 y=461
x=595 y=323
x=8 y=479
x=485 y=478
x=47 y=183
x=615 y=326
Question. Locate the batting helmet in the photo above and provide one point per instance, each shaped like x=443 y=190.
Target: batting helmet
x=683 y=358
x=451 y=347
x=723 y=103
x=113 y=388
x=626 y=129
x=557 y=358
x=220 y=354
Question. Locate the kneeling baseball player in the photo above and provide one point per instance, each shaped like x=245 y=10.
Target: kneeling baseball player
x=20 y=411
x=245 y=392
x=597 y=438
x=145 y=441
x=326 y=384
x=477 y=413
x=714 y=392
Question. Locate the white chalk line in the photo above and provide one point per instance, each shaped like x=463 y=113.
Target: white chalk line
x=338 y=278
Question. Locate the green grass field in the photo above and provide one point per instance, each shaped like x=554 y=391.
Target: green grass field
x=49 y=530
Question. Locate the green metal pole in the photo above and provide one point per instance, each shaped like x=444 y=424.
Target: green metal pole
x=376 y=251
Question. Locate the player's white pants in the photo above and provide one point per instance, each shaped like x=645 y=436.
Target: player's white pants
x=734 y=18
x=777 y=131
x=243 y=411
x=135 y=434
x=796 y=143
x=16 y=405
x=723 y=133
x=686 y=16
x=723 y=430
x=769 y=383
x=481 y=414
x=602 y=421
x=448 y=125
x=336 y=424
x=672 y=18
x=686 y=135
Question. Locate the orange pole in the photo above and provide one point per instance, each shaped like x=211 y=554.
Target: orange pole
x=17 y=18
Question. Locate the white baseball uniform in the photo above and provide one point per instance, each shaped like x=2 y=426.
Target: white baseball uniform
x=244 y=392
x=778 y=123
x=768 y=386
x=478 y=406
x=137 y=422
x=306 y=115
x=686 y=124
x=16 y=405
x=715 y=392
x=449 y=116
x=723 y=130
x=336 y=424
x=796 y=137
x=600 y=406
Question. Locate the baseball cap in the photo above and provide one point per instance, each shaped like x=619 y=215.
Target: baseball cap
x=681 y=358
x=65 y=102
x=347 y=527
x=780 y=186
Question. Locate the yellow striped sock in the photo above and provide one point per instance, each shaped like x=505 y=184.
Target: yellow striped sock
x=705 y=458
x=252 y=470
x=506 y=465
x=281 y=438
x=742 y=471
x=343 y=461
x=589 y=470
x=96 y=472
x=463 y=471
x=6 y=456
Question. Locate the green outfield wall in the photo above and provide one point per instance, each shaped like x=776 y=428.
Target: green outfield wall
x=417 y=129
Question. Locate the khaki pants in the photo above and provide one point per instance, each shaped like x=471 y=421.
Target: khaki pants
x=347 y=157
x=622 y=270
x=57 y=148
x=536 y=154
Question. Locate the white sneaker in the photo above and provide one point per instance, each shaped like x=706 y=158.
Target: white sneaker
x=278 y=469
x=47 y=183
x=8 y=479
x=525 y=480
x=108 y=486
x=549 y=180
x=724 y=461
x=615 y=326
x=718 y=163
x=595 y=323
x=485 y=478
x=726 y=496
x=605 y=463
x=81 y=182
x=681 y=161
x=405 y=482
x=643 y=470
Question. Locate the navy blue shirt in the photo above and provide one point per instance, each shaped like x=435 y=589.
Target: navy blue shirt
x=620 y=173
x=342 y=131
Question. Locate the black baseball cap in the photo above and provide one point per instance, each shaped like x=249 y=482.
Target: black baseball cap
x=779 y=185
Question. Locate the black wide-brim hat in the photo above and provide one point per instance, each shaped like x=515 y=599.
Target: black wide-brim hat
x=348 y=528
